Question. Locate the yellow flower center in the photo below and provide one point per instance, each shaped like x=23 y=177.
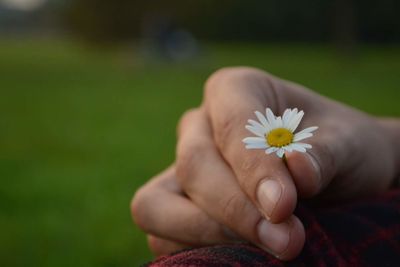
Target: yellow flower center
x=279 y=137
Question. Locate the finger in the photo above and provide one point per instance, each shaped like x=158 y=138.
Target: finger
x=160 y=246
x=159 y=208
x=273 y=234
x=314 y=170
x=211 y=185
x=231 y=98
x=305 y=172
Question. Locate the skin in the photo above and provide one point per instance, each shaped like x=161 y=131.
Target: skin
x=219 y=192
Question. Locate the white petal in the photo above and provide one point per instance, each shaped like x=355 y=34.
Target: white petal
x=259 y=131
x=286 y=115
x=304 y=145
x=295 y=121
x=256 y=146
x=262 y=118
x=257 y=124
x=301 y=136
x=279 y=123
x=271 y=118
x=271 y=150
x=280 y=152
x=288 y=148
x=308 y=130
x=254 y=123
x=297 y=147
x=253 y=140
x=289 y=117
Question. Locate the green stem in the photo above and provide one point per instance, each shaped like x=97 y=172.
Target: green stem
x=284 y=159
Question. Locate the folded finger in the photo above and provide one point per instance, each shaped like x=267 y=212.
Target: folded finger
x=160 y=209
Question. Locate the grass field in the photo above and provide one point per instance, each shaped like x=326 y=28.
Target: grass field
x=82 y=129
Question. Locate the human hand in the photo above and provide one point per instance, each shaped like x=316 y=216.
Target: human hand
x=217 y=184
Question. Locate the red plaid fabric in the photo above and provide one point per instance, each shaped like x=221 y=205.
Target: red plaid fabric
x=363 y=233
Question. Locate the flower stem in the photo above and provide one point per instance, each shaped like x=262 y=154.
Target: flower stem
x=284 y=159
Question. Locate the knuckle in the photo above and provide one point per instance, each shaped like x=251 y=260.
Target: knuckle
x=186 y=118
x=188 y=158
x=216 y=78
x=138 y=206
x=230 y=75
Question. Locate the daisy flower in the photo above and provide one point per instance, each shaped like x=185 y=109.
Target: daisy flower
x=276 y=134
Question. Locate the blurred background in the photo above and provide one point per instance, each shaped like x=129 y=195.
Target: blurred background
x=91 y=91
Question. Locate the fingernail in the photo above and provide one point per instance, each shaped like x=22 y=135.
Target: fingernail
x=274 y=237
x=268 y=195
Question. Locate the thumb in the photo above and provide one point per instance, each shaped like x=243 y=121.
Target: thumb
x=314 y=170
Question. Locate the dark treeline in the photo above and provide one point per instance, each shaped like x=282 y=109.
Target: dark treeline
x=342 y=21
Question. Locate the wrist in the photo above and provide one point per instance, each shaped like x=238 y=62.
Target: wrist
x=391 y=126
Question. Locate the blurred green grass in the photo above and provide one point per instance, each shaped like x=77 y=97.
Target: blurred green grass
x=81 y=129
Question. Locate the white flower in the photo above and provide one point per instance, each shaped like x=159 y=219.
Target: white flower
x=276 y=134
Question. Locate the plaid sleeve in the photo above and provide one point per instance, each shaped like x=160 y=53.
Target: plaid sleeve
x=362 y=233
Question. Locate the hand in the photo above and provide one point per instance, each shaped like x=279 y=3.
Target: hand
x=220 y=192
